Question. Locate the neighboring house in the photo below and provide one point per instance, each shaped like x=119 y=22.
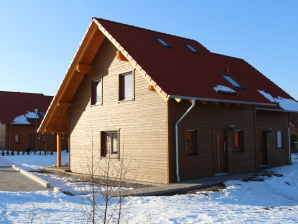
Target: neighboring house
x=294 y=133
x=20 y=116
x=166 y=107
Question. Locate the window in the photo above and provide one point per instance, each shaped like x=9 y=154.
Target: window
x=126 y=86
x=162 y=42
x=96 y=92
x=231 y=80
x=238 y=141
x=190 y=47
x=190 y=142
x=17 y=139
x=109 y=143
x=279 y=139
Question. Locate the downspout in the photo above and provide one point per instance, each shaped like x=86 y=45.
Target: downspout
x=193 y=103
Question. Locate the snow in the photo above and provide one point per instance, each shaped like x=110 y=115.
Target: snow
x=286 y=104
x=22 y=119
x=35 y=162
x=221 y=88
x=31 y=114
x=273 y=200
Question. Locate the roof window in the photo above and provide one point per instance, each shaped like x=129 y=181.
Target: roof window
x=190 y=47
x=162 y=42
x=231 y=81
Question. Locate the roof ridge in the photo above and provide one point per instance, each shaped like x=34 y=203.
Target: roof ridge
x=145 y=29
x=42 y=94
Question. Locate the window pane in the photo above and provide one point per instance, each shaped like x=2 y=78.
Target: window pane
x=163 y=42
x=192 y=48
x=231 y=80
x=279 y=142
x=96 y=92
x=126 y=86
x=114 y=139
x=190 y=142
x=238 y=141
x=99 y=92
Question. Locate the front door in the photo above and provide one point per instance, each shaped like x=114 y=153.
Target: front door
x=262 y=148
x=220 y=153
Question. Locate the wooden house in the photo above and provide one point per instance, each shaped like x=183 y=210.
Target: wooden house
x=167 y=107
x=20 y=116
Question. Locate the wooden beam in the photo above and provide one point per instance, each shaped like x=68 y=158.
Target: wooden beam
x=178 y=100
x=120 y=56
x=59 y=147
x=84 y=68
x=56 y=130
x=64 y=104
x=204 y=102
x=151 y=88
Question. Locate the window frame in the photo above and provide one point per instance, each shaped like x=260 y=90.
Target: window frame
x=282 y=139
x=162 y=42
x=94 y=91
x=231 y=80
x=240 y=140
x=121 y=87
x=19 y=139
x=192 y=48
x=195 y=141
x=107 y=152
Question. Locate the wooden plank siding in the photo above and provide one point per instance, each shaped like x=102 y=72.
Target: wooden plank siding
x=203 y=118
x=2 y=135
x=275 y=121
x=142 y=123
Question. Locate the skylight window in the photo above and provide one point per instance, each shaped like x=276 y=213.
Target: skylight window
x=231 y=81
x=162 y=42
x=190 y=47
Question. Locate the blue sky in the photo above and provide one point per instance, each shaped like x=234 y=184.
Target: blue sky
x=39 y=38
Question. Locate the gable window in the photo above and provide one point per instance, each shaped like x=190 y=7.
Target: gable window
x=162 y=42
x=238 y=141
x=279 y=139
x=190 y=142
x=190 y=47
x=96 y=92
x=17 y=139
x=126 y=86
x=231 y=81
x=109 y=143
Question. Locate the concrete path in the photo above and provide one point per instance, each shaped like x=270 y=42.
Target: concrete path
x=12 y=180
x=176 y=188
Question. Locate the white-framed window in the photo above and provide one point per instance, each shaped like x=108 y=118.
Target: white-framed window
x=279 y=139
x=110 y=144
x=126 y=86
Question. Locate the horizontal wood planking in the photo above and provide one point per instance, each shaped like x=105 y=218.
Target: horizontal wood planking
x=142 y=123
x=2 y=135
x=276 y=121
x=203 y=118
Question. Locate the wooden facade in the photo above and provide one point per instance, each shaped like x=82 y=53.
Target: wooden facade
x=219 y=135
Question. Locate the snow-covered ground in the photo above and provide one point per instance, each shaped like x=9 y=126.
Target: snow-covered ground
x=274 y=200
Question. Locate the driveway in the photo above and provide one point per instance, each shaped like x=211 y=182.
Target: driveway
x=12 y=180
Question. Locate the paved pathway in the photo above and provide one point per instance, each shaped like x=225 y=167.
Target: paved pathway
x=176 y=188
x=12 y=180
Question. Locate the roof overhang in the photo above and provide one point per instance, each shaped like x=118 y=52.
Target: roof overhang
x=220 y=100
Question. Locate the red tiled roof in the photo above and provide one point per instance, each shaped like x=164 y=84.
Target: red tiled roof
x=180 y=72
x=14 y=104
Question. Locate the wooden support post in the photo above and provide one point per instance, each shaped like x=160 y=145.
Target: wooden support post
x=59 y=146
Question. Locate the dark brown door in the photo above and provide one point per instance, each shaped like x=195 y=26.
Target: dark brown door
x=220 y=154
x=262 y=148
